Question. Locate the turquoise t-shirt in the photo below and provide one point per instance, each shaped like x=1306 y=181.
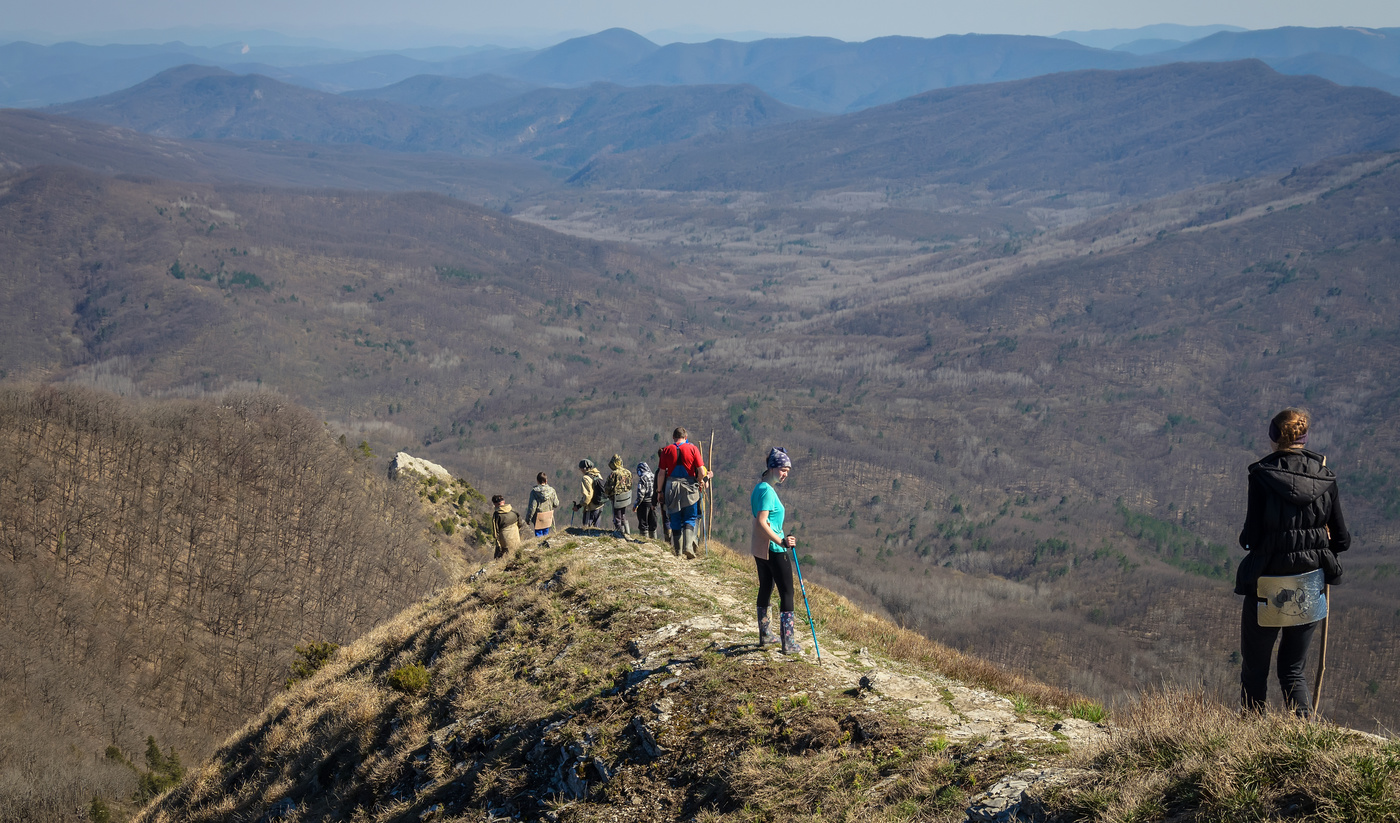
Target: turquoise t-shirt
x=765 y=498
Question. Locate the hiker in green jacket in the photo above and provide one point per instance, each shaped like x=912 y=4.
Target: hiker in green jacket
x=618 y=491
x=591 y=503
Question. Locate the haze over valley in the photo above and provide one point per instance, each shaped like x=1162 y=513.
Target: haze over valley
x=1019 y=307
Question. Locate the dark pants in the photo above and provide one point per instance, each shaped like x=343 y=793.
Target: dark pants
x=590 y=517
x=646 y=518
x=1257 y=646
x=620 y=519
x=775 y=571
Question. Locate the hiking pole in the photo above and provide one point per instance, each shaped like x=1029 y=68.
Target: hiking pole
x=1322 y=652
x=803 y=586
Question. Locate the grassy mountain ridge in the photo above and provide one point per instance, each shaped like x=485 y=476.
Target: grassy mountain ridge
x=599 y=679
x=161 y=560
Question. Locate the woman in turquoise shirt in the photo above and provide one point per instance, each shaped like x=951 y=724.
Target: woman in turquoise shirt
x=770 y=550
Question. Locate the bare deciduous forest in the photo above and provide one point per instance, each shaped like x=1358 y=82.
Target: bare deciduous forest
x=158 y=563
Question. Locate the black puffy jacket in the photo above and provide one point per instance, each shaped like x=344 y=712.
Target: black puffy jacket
x=1294 y=520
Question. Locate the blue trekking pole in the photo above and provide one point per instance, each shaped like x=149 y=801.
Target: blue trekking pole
x=803 y=586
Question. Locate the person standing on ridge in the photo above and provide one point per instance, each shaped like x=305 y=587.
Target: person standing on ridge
x=618 y=491
x=539 y=513
x=646 y=502
x=505 y=526
x=683 y=476
x=1293 y=526
x=591 y=503
x=659 y=498
x=770 y=547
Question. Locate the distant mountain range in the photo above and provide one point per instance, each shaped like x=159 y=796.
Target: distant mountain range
x=567 y=126
x=823 y=74
x=1132 y=133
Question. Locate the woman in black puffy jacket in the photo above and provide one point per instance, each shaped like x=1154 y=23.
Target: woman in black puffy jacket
x=1293 y=525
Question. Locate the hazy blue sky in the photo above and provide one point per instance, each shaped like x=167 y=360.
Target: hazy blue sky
x=845 y=19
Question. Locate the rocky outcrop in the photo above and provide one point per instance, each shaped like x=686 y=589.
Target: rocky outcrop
x=416 y=466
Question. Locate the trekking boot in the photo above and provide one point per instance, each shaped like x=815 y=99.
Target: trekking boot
x=765 y=631
x=676 y=543
x=788 y=634
x=688 y=542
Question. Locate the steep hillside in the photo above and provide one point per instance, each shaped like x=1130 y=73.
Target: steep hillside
x=160 y=562
x=372 y=307
x=1131 y=133
x=596 y=679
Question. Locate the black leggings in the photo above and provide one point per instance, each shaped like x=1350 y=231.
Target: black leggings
x=1257 y=646
x=646 y=517
x=775 y=571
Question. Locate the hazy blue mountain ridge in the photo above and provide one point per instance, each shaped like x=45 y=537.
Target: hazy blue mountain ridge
x=1113 y=38
x=567 y=126
x=439 y=92
x=1132 y=133
x=819 y=73
x=1377 y=49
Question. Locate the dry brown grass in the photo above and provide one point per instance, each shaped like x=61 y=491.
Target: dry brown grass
x=1177 y=755
x=532 y=660
x=836 y=614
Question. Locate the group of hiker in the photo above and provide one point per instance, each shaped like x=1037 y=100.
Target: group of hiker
x=1293 y=532
x=671 y=496
x=668 y=497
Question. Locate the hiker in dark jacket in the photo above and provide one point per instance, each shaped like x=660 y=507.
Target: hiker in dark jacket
x=539 y=513
x=505 y=525
x=659 y=499
x=1293 y=525
x=591 y=487
x=646 y=501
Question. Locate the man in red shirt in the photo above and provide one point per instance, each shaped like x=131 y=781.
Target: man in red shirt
x=681 y=478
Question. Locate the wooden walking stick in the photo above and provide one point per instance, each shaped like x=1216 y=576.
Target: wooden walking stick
x=710 y=509
x=1322 y=652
